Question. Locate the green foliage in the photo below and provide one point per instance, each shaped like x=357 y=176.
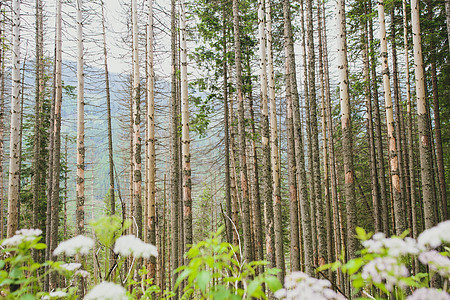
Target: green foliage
x=21 y=277
x=215 y=271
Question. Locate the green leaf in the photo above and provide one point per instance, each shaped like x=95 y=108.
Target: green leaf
x=253 y=287
x=27 y=297
x=361 y=234
x=273 y=283
x=203 y=279
x=181 y=277
x=40 y=246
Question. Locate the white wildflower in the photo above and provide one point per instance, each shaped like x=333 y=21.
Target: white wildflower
x=55 y=294
x=300 y=286
x=130 y=245
x=79 y=244
x=427 y=293
x=393 y=246
x=82 y=273
x=23 y=235
x=435 y=236
x=107 y=291
x=385 y=270
x=71 y=266
x=436 y=262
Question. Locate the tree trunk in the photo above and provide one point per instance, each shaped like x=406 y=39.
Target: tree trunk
x=410 y=147
x=14 y=156
x=426 y=163
x=329 y=238
x=174 y=145
x=137 y=175
x=80 y=124
x=370 y=134
x=185 y=140
x=39 y=93
x=393 y=151
x=332 y=157
x=315 y=170
x=2 y=120
x=151 y=141
x=273 y=151
x=242 y=138
x=346 y=133
x=229 y=226
x=292 y=178
x=437 y=124
x=399 y=126
x=108 y=110
x=378 y=136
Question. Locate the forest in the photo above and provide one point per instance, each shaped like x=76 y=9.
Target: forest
x=224 y=149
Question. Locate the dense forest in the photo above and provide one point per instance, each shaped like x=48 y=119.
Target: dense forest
x=224 y=149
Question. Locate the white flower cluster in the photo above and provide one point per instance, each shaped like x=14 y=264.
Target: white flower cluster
x=82 y=273
x=435 y=236
x=426 y=293
x=107 y=291
x=79 y=244
x=300 y=286
x=393 y=246
x=386 y=270
x=71 y=266
x=55 y=295
x=130 y=245
x=436 y=262
x=23 y=235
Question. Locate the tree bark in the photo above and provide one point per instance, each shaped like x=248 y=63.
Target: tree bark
x=137 y=174
x=185 y=140
x=378 y=136
x=80 y=124
x=346 y=133
x=426 y=164
x=151 y=141
x=174 y=145
x=370 y=133
x=2 y=120
x=393 y=151
x=108 y=111
x=437 y=124
x=241 y=132
x=273 y=151
x=14 y=155
x=292 y=171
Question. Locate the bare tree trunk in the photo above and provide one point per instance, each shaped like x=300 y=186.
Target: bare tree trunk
x=137 y=175
x=229 y=226
x=393 y=151
x=305 y=212
x=241 y=132
x=332 y=157
x=329 y=237
x=399 y=127
x=14 y=155
x=437 y=125
x=151 y=141
x=292 y=178
x=81 y=150
x=378 y=136
x=108 y=109
x=185 y=140
x=370 y=133
x=174 y=145
x=426 y=163
x=39 y=93
x=56 y=165
x=273 y=151
x=346 y=132
x=2 y=120
x=315 y=171
x=410 y=147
